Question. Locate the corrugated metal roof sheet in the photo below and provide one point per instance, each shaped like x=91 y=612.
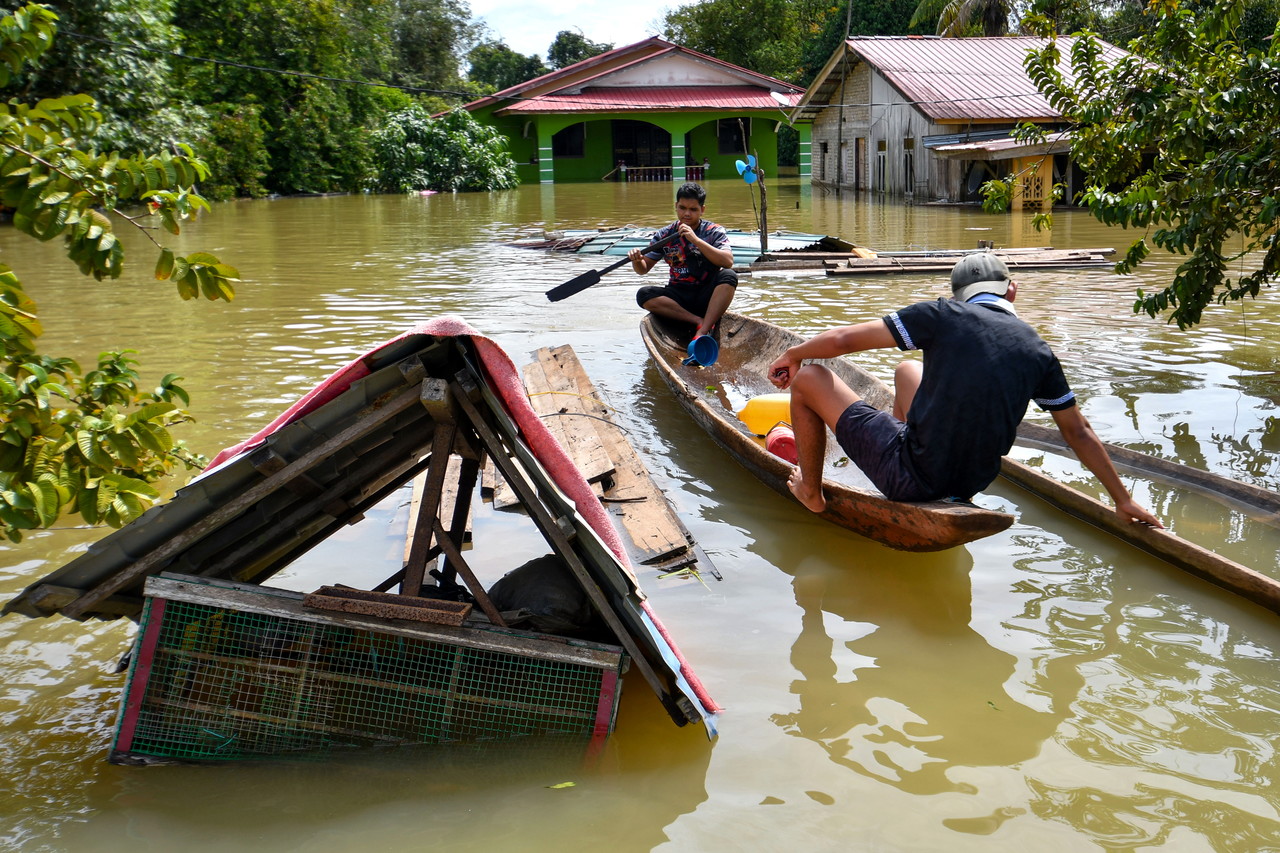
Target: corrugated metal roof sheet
x=1006 y=148
x=649 y=99
x=745 y=245
x=958 y=79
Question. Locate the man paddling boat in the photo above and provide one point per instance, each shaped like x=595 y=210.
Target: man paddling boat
x=956 y=415
x=702 y=281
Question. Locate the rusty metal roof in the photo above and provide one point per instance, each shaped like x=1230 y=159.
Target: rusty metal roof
x=951 y=79
x=604 y=99
x=1005 y=148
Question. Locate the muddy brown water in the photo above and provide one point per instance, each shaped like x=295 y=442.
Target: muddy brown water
x=1048 y=688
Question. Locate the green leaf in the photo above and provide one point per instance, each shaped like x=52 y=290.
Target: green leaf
x=87 y=504
x=88 y=444
x=164 y=266
x=124 y=449
x=152 y=411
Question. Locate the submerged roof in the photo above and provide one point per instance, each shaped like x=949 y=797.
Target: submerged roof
x=745 y=245
x=339 y=451
x=649 y=75
x=949 y=79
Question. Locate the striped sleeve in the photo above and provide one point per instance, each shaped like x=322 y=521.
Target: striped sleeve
x=899 y=331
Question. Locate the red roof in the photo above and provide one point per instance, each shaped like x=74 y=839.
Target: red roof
x=568 y=89
x=650 y=99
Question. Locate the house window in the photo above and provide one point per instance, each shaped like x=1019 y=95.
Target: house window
x=729 y=137
x=909 y=164
x=569 y=142
x=824 y=150
x=882 y=161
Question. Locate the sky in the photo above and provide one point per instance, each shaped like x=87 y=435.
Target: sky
x=529 y=26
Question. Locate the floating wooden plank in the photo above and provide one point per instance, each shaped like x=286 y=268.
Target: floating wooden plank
x=652 y=532
x=500 y=492
x=1046 y=259
x=559 y=401
x=387 y=605
x=1227 y=574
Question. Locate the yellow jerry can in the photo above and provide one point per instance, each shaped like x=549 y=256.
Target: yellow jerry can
x=763 y=413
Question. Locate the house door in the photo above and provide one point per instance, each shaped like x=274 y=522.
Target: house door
x=638 y=143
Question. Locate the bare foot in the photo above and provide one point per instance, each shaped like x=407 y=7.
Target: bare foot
x=811 y=497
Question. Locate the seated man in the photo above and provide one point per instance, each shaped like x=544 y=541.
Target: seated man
x=702 y=281
x=954 y=417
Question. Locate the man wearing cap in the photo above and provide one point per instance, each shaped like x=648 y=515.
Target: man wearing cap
x=955 y=416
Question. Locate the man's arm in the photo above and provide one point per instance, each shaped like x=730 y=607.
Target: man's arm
x=722 y=258
x=1088 y=448
x=873 y=334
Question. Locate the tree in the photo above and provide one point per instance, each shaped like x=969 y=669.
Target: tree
x=962 y=17
x=570 y=47
x=238 y=158
x=318 y=124
x=133 y=88
x=864 y=19
x=429 y=40
x=1180 y=139
x=768 y=36
x=453 y=153
x=494 y=64
x=87 y=443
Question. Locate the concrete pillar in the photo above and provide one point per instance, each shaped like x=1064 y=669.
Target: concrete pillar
x=546 y=160
x=678 y=158
x=806 y=149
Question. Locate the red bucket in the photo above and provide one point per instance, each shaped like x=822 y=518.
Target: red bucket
x=781 y=442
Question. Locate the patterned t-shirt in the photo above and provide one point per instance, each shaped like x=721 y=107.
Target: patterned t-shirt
x=688 y=266
x=982 y=366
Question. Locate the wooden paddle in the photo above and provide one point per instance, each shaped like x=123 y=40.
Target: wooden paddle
x=582 y=282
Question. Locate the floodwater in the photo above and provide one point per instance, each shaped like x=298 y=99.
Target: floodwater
x=1048 y=688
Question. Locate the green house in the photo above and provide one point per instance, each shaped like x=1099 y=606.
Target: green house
x=651 y=111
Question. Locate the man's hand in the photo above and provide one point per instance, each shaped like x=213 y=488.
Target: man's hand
x=1130 y=511
x=782 y=371
x=639 y=262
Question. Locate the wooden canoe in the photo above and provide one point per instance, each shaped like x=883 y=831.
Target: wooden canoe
x=713 y=395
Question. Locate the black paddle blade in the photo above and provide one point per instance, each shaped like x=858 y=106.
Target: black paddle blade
x=573 y=285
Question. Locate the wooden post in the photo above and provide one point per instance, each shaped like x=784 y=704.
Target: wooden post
x=415 y=567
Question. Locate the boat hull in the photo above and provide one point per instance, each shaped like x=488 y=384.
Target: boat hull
x=712 y=395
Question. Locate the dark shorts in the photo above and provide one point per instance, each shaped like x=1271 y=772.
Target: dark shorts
x=693 y=298
x=874 y=441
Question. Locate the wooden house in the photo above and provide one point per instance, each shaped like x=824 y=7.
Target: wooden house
x=930 y=118
x=649 y=111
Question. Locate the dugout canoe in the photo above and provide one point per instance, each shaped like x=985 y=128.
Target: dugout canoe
x=713 y=395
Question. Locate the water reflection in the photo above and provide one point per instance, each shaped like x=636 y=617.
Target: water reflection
x=1184 y=697
x=1047 y=688
x=895 y=684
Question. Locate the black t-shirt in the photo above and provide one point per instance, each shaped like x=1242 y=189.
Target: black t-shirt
x=981 y=367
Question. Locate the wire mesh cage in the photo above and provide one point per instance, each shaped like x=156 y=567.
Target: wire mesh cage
x=225 y=674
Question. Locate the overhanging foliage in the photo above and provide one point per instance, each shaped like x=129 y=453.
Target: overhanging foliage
x=1182 y=140
x=89 y=444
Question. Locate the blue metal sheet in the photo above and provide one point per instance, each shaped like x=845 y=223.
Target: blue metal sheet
x=745 y=245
